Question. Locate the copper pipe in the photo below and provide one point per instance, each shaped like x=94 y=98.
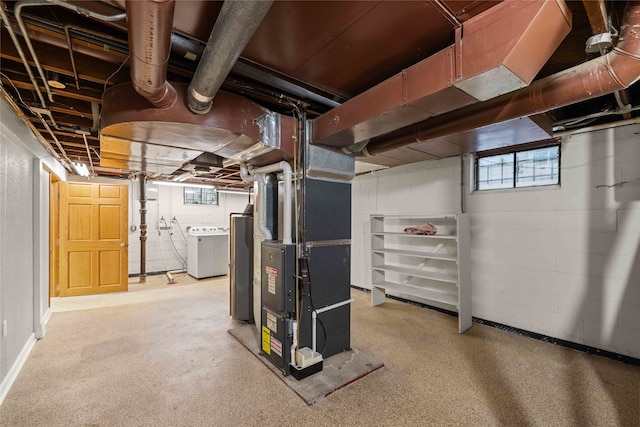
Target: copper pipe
x=606 y=74
x=149 y=23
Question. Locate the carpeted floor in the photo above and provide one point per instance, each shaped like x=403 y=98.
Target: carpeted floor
x=160 y=355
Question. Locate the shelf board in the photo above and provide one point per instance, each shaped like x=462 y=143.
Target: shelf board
x=418 y=254
x=420 y=292
x=424 y=236
x=429 y=217
x=440 y=277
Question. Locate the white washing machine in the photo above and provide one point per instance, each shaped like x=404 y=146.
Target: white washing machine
x=207 y=252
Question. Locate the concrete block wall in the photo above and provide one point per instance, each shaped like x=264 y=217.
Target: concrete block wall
x=563 y=261
x=161 y=255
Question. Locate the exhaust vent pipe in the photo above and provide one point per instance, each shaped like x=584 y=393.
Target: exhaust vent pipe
x=237 y=22
x=149 y=23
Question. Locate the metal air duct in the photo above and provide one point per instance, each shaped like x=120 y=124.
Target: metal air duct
x=496 y=52
x=232 y=31
x=149 y=23
x=606 y=74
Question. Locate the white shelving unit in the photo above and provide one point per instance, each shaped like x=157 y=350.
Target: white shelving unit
x=423 y=267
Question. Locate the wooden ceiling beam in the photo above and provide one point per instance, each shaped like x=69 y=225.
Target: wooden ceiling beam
x=68 y=92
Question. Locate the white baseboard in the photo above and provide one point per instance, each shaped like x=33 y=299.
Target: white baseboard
x=8 y=381
x=46 y=316
x=41 y=327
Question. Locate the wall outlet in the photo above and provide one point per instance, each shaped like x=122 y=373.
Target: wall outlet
x=4 y=328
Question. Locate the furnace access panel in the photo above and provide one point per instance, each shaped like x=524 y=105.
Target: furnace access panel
x=278 y=302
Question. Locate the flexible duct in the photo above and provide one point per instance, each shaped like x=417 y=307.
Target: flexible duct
x=232 y=31
x=606 y=74
x=149 y=23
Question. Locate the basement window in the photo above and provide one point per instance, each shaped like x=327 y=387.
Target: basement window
x=200 y=196
x=518 y=169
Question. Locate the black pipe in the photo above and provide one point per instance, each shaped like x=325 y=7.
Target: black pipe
x=143 y=229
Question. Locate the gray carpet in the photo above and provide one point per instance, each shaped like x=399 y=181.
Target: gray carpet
x=166 y=359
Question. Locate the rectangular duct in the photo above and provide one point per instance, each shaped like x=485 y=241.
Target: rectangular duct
x=513 y=132
x=510 y=42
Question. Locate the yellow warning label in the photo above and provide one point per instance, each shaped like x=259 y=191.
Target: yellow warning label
x=266 y=340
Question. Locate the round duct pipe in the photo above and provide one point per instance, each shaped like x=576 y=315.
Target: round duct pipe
x=150 y=23
x=232 y=31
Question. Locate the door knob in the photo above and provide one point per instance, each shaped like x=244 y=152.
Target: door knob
x=123 y=245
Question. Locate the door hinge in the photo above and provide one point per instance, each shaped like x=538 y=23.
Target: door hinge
x=58 y=241
x=58 y=288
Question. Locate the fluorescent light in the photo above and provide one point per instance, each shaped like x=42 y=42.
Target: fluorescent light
x=81 y=169
x=187 y=184
x=238 y=191
x=182 y=184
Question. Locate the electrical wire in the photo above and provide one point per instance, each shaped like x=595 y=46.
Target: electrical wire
x=17 y=92
x=618 y=184
x=313 y=307
x=297 y=233
x=115 y=72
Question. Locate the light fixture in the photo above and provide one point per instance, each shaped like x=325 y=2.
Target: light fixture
x=81 y=169
x=55 y=80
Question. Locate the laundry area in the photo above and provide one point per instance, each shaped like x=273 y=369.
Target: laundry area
x=252 y=213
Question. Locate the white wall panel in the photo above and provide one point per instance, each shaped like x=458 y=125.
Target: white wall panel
x=560 y=260
x=17 y=255
x=161 y=255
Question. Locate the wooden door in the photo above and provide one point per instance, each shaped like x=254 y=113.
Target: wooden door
x=93 y=238
x=54 y=237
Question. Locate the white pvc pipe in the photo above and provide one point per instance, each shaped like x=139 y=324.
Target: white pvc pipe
x=262 y=207
x=626 y=122
x=286 y=235
x=287 y=216
x=294 y=345
x=314 y=316
x=244 y=174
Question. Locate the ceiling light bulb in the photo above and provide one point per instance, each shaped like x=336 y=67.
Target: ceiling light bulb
x=55 y=80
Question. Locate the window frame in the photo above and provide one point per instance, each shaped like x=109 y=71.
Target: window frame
x=201 y=201
x=478 y=157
